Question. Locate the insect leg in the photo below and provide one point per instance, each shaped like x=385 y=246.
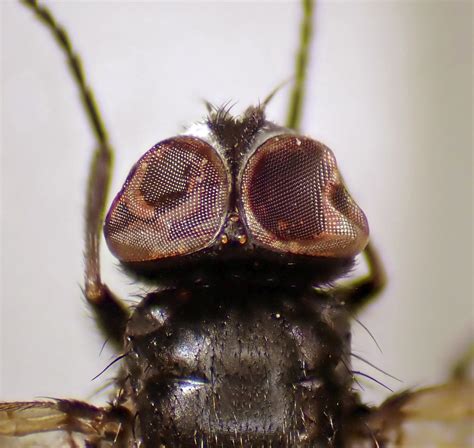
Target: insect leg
x=435 y=416
x=20 y=419
x=464 y=366
x=110 y=313
x=360 y=291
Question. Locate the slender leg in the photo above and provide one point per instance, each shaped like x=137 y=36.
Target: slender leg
x=362 y=290
x=76 y=418
x=110 y=312
x=463 y=369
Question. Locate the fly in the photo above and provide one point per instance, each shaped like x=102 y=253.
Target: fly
x=229 y=235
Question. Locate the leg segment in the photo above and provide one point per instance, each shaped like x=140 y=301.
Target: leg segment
x=463 y=369
x=70 y=417
x=110 y=313
x=358 y=293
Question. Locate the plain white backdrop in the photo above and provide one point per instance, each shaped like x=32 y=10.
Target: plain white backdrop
x=389 y=90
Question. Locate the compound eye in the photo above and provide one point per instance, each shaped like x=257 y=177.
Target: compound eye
x=295 y=200
x=172 y=203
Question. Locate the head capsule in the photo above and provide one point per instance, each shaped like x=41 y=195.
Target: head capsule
x=238 y=187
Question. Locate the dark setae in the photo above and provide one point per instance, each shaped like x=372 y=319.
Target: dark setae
x=243 y=227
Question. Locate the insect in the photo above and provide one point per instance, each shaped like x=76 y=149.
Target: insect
x=357 y=194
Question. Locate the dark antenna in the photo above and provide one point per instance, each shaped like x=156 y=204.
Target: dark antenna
x=295 y=106
x=100 y=173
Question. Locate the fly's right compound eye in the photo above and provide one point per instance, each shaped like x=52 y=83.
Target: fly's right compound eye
x=295 y=200
x=173 y=202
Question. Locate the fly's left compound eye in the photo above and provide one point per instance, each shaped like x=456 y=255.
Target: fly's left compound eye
x=295 y=200
x=172 y=203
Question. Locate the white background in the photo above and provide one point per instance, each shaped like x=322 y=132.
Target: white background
x=388 y=91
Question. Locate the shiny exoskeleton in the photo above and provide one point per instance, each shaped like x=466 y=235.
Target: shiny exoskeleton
x=242 y=227
x=238 y=347
x=240 y=365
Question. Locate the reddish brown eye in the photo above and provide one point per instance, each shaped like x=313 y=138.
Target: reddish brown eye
x=172 y=203
x=295 y=201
